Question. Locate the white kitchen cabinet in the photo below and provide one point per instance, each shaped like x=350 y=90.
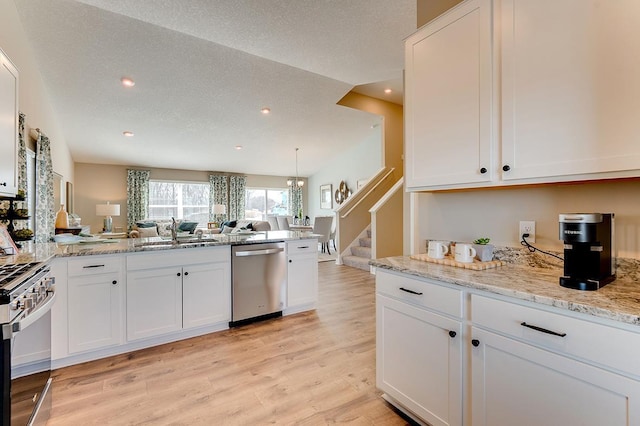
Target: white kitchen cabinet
x=570 y=91
x=95 y=301
x=302 y=275
x=419 y=347
x=531 y=366
x=190 y=289
x=448 y=99
x=8 y=126
x=154 y=302
x=206 y=294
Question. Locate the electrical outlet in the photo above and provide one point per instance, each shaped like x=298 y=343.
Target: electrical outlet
x=528 y=227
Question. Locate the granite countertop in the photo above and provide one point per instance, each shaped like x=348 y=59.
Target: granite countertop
x=534 y=278
x=40 y=252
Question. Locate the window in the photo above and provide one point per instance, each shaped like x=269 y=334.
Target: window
x=261 y=202
x=188 y=201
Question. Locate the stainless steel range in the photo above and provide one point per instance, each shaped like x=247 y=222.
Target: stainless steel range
x=26 y=296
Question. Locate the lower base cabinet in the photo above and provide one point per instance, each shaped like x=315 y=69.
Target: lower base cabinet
x=519 y=384
x=419 y=349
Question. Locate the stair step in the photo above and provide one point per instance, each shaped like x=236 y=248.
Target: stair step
x=361 y=252
x=356 y=262
x=365 y=242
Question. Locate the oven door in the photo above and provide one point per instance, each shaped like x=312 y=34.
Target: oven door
x=30 y=349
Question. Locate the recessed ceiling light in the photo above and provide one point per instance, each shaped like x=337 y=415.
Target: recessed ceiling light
x=238 y=147
x=265 y=110
x=128 y=134
x=387 y=91
x=127 y=82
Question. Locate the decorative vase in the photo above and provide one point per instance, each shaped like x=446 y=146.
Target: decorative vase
x=62 y=218
x=484 y=252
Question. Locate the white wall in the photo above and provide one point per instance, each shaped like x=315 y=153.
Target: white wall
x=359 y=162
x=33 y=98
x=464 y=216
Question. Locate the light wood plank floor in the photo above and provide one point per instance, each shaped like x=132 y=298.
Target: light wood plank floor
x=312 y=368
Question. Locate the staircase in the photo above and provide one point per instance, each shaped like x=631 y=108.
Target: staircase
x=360 y=254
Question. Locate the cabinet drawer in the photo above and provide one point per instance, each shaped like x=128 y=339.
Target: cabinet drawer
x=91 y=265
x=609 y=346
x=420 y=292
x=302 y=247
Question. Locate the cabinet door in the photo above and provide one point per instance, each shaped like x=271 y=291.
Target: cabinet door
x=448 y=99
x=95 y=311
x=206 y=294
x=570 y=90
x=302 y=279
x=154 y=302
x=8 y=126
x=517 y=384
x=418 y=362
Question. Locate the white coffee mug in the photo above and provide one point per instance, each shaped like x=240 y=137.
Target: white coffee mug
x=465 y=253
x=437 y=249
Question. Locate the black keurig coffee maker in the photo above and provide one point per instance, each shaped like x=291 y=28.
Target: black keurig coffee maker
x=588 y=250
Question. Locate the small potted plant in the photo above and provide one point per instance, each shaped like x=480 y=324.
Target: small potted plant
x=484 y=250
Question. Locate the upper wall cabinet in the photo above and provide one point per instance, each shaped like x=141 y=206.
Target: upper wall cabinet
x=570 y=88
x=566 y=94
x=8 y=126
x=448 y=106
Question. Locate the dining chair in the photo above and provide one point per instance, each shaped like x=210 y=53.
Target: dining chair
x=283 y=223
x=322 y=227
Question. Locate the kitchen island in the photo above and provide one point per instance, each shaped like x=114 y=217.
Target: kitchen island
x=116 y=296
x=507 y=345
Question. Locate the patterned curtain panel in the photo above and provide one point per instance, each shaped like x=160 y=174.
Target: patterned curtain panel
x=237 y=187
x=218 y=194
x=295 y=200
x=22 y=157
x=45 y=215
x=137 y=196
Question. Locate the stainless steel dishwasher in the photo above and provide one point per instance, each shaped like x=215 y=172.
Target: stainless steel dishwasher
x=259 y=278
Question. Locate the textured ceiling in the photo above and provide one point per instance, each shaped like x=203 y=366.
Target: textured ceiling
x=205 y=68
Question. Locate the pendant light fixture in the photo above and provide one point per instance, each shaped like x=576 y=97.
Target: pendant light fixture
x=297 y=182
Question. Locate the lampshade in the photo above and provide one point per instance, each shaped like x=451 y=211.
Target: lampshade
x=219 y=209
x=107 y=209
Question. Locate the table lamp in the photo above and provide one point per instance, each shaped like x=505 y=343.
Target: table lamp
x=218 y=210
x=108 y=210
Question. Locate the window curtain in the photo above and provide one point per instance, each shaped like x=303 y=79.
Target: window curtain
x=137 y=196
x=237 y=189
x=295 y=199
x=45 y=213
x=218 y=194
x=22 y=157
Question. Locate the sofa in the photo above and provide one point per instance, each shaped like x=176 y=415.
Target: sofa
x=160 y=228
x=244 y=224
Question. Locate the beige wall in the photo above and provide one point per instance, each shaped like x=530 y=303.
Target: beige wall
x=99 y=183
x=33 y=98
x=464 y=216
x=393 y=136
x=429 y=9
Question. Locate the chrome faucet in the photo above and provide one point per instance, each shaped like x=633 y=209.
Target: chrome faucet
x=174 y=230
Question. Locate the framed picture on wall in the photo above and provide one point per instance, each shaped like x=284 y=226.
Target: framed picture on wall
x=326 y=202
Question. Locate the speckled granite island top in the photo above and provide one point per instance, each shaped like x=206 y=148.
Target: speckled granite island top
x=529 y=277
x=40 y=252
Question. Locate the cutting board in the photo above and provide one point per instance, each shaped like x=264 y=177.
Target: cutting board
x=476 y=265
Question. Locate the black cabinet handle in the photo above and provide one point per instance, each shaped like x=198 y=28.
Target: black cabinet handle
x=475 y=342
x=114 y=282
x=483 y=170
x=3 y=184
x=506 y=167
x=93 y=266
x=452 y=334
x=542 y=330
x=290 y=261
x=410 y=291
x=178 y=274
x=186 y=273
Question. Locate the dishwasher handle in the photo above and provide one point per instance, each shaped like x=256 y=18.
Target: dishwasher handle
x=259 y=252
